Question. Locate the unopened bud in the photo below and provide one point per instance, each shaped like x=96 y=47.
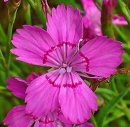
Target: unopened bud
x=109 y=4
x=106 y=17
x=46 y=7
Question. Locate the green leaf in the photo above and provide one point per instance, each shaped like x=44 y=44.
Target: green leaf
x=1 y=55
x=126 y=57
x=124 y=8
x=2 y=60
x=3 y=37
x=106 y=91
x=107 y=108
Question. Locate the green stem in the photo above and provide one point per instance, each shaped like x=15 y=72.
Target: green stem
x=106 y=22
x=116 y=28
x=94 y=121
x=5 y=93
x=3 y=38
x=124 y=9
x=110 y=119
x=2 y=88
x=38 y=9
x=113 y=86
x=28 y=16
x=125 y=109
x=12 y=10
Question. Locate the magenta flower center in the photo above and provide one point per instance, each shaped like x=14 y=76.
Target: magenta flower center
x=63 y=57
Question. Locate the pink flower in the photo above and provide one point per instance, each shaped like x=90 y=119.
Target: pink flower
x=92 y=18
x=58 y=48
x=119 y=20
x=19 y=89
x=5 y=0
x=31 y=77
x=18 y=117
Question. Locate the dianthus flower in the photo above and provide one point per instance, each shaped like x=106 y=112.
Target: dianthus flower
x=92 y=18
x=58 y=47
x=18 y=117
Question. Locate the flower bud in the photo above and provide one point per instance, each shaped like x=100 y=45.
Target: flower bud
x=45 y=7
x=106 y=17
x=109 y=4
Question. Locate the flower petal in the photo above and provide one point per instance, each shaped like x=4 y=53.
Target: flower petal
x=17 y=86
x=119 y=20
x=5 y=0
x=17 y=117
x=100 y=56
x=61 y=124
x=44 y=92
x=86 y=125
x=76 y=99
x=50 y=120
x=31 y=77
x=32 y=43
x=91 y=21
x=67 y=123
x=65 y=24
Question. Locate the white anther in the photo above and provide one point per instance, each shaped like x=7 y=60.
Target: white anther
x=69 y=69
x=62 y=70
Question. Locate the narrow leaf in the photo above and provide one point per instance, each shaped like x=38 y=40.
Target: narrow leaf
x=107 y=108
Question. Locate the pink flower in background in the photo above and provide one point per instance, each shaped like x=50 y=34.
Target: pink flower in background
x=18 y=117
x=32 y=76
x=58 y=47
x=19 y=89
x=92 y=18
x=18 y=86
x=5 y=0
x=92 y=22
x=119 y=20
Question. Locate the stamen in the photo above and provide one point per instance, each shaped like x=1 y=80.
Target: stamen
x=62 y=70
x=69 y=69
